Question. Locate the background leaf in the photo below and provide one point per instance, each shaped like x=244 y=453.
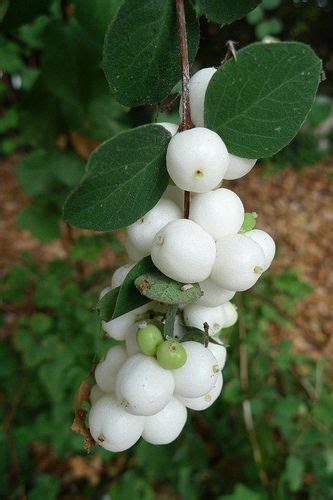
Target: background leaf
x=258 y=103
x=157 y=286
x=95 y=16
x=125 y=178
x=226 y=11
x=141 y=52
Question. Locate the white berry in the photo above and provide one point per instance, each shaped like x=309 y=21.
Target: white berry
x=198 y=86
x=174 y=194
x=143 y=387
x=266 y=243
x=118 y=328
x=141 y=234
x=170 y=127
x=213 y=295
x=95 y=394
x=112 y=427
x=197 y=159
x=196 y=315
x=199 y=374
x=183 y=251
x=106 y=370
x=220 y=353
x=239 y=262
x=133 y=253
x=205 y=401
x=120 y=274
x=218 y=212
x=230 y=313
x=165 y=426
x=238 y=167
x=131 y=343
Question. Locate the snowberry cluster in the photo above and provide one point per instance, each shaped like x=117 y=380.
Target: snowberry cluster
x=145 y=387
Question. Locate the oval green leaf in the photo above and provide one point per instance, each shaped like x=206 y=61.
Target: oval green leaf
x=226 y=11
x=258 y=102
x=125 y=178
x=157 y=286
x=141 y=56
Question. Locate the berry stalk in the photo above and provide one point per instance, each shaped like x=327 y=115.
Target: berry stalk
x=186 y=122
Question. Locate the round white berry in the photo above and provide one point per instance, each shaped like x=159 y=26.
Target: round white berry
x=118 y=328
x=198 y=86
x=205 y=401
x=95 y=394
x=120 y=274
x=213 y=295
x=112 y=427
x=266 y=243
x=238 y=167
x=197 y=159
x=199 y=374
x=174 y=194
x=239 y=262
x=170 y=127
x=219 y=352
x=165 y=426
x=131 y=343
x=141 y=234
x=183 y=251
x=218 y=212
x=178 y=329
x=133 y=253
x=106 y=370
x=196 y=315
x=231 y=314
x=143 y=387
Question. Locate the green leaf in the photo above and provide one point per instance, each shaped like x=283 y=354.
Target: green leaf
x=294 y=472
x=157 y=286
x=258 y=103
x=197 y=335
x=43 y=224
x=123 y=299
x=22 y=12
x=125 y=178
x=141 y=56
x=272 y=26
x=95 y=16
x=249 y=222
x=226 y=11
x=170 y=320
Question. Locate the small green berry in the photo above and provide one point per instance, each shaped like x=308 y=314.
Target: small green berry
x=171 y=355
x=149 y=337
x=249 y=222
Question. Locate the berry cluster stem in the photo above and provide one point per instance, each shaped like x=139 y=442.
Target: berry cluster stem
x=186 y=122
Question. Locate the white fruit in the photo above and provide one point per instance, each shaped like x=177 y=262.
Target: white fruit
x=205 y=401
x=133 y=253
x=175 y=194
x=141 y=234
x=196 y=315
x=143 y=387
x=238 y=167
x=266 y=243
x=165 y=426
x=112 y=427
x=170 y=127
x=95 y=394
x=231 y=314
x=218 y=212
x=104 y=292
x=106 y=370
x=178 y=329
x=220 y=353
x=118 y=328
x=120 y=274
x=239 y=262
x=198 y=86
x=199 y=374
x=184 y=251
x=197 y=159
x=213 y=295
x=131 y=343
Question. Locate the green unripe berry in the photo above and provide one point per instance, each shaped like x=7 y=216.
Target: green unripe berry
x=249 y=222
x=149 y=337
x=171 y=355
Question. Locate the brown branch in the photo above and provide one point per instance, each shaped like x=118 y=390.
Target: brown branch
x=186 y=122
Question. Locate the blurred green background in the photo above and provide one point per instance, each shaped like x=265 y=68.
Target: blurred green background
x=270 y=433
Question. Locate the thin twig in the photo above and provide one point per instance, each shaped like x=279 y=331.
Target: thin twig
x=186 y=122
x=247 y=410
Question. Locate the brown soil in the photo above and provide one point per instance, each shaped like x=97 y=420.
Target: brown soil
x=295 y=207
